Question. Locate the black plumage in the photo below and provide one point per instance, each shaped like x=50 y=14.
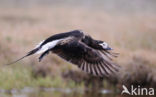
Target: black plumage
x=91 y=56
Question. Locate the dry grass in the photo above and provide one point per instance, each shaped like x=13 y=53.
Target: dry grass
x=130 y=34
x=138 y=71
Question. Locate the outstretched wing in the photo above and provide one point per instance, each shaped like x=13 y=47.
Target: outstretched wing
x=88 y=59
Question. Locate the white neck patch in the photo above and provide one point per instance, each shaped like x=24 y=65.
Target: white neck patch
x=104 y=45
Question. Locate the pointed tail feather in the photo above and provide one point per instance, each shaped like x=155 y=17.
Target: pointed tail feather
x=32 y=51
x=28 y=54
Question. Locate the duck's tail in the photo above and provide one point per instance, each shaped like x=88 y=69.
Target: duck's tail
x=28 y=54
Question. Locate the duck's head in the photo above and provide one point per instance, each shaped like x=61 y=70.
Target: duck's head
x=104 y=45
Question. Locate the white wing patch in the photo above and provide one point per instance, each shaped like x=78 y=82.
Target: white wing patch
x=48 y=46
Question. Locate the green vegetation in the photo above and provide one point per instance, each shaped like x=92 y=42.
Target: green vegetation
x=19 y=77
x=132 y=35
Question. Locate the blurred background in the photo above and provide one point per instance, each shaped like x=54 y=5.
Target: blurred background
x=129 y=26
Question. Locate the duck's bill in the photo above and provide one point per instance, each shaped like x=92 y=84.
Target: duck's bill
x=108 y=48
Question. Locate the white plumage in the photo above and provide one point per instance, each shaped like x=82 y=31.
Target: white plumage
x=47 y=46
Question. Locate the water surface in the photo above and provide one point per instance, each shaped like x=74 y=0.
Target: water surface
x=54 y=92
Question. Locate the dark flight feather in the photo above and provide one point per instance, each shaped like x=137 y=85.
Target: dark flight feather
x=85 y=57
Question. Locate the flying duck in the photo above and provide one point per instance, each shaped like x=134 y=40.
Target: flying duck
x=90 y=55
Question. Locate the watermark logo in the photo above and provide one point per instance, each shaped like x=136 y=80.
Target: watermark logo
x=125 y=90
x=137 y=90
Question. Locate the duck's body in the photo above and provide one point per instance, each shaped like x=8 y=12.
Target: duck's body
x=92 y=56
